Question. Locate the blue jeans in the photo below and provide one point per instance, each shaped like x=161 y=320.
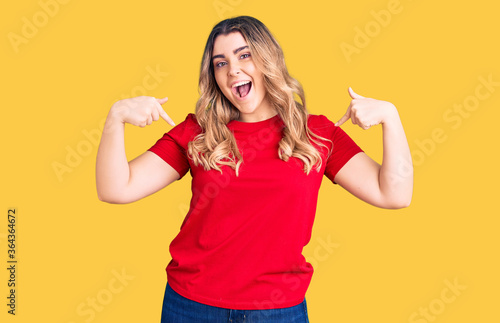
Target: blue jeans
x=178 y=309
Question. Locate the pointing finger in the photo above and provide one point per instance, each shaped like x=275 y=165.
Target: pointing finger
x=346 y=117
x=165 y=116
x=162 y=112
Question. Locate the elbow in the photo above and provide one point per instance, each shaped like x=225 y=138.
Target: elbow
x=110 y=194
x=399 y=203
x=105 y=198
x=397 y=198
x=394 y=200
x=110 y=198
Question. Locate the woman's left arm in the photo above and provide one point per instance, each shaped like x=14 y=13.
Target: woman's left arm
x=389 y=185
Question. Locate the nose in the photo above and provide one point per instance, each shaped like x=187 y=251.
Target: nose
x=234 y=69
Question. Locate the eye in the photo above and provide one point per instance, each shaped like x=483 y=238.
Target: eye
x=220 y=64
x=246 y=55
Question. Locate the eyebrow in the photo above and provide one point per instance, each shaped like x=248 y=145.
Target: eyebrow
x=236 y=51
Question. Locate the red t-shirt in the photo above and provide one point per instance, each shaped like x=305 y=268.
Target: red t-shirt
x=240 y=245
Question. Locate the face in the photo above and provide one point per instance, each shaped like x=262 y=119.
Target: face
x=239 y=79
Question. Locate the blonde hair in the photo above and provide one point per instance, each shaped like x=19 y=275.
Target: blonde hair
x=216 y=145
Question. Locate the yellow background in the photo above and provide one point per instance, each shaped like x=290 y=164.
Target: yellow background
x=386 y=265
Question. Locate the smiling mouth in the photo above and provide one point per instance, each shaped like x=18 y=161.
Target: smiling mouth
x=242 y=89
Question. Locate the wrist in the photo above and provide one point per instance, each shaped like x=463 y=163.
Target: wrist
x=391 y=114
x=114 y=120
x=115 y=115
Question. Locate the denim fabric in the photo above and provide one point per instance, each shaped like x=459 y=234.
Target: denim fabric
x=178 y=309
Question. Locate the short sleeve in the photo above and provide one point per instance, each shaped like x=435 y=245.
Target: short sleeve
x=344 y=148
x=172 y=147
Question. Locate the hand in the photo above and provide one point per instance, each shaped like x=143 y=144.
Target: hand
x=367 y=112
x=140 y=111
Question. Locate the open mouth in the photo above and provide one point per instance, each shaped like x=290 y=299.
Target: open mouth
x=241 y=89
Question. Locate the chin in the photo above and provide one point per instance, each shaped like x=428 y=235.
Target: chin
x=246 y=110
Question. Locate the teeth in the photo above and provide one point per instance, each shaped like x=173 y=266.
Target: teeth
x=241 y=83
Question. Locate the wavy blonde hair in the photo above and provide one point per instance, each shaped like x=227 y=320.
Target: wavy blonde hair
x=216 y=144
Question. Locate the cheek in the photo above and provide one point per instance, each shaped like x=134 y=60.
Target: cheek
x=219 y=82
x=220 y=77
x=256 y=74
x=259 y=78
x=217 y=78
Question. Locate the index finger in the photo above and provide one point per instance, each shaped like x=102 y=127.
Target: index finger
x=162 y=112
x=346 y=117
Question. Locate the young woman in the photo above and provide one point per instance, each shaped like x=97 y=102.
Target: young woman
x=257 y=159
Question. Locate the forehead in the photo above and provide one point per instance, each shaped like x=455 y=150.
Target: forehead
x=225 y=44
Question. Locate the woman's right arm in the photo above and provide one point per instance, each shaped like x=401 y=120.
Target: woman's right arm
x=121 y=181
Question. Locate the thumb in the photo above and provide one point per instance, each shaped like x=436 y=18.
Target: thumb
x=354 y=95
x=346 y=117
x=162 y=101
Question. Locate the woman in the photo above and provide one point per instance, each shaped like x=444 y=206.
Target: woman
x=257 y=159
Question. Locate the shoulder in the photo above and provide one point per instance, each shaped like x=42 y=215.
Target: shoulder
x=185 y=131
x=321 y=125
x=191 y=123
x=318 y=119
